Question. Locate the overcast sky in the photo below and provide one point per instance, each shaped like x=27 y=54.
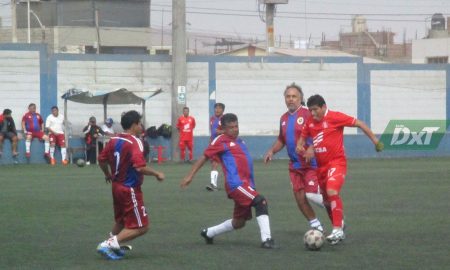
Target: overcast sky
x=297 y=19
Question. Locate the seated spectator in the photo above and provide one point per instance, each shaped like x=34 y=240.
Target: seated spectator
x=8 y=131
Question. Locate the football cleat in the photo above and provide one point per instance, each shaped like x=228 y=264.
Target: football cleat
x=318 y=228
x=108 y=253
x=121 y=252
x=268 y=244
x=336 y=236
x=208 y=240
x=52 y=161
x=211 y=187
x=65 y=162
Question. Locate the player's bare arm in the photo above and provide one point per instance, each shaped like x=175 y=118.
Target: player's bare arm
x=197 y=165
x=149 y=171
x=379 y=146
x=104 y=167
x=276 y=147
x=309 y=153
x=300 y=146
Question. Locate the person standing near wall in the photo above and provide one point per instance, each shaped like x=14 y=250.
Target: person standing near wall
x=216 y=130
x=185 y=126
x=55 y=127
x=91 y=133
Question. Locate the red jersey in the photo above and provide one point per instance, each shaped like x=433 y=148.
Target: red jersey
x=185 y=126
x=124 y=153
x=328 y=136
x=235 y=159
x=291 y=125
x=33 y=122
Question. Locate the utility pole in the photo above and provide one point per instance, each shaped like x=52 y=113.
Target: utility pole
x=28 y=18
x=98 y=30
x=270 y=10
x=179 y=67
x=14 y=21
x=162 y=28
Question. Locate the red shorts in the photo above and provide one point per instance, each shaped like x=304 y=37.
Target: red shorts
x=305 y=179
x=129 y=208
x=58 y=139
x=332 y=176
x=243 y=197
x=36 y=134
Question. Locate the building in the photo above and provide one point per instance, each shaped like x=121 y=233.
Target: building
x=435 y=48
x=362 y=42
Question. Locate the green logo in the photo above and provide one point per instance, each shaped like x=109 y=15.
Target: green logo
x=413 y=134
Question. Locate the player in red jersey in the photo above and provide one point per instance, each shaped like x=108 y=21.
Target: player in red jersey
x=185 y=126
x=33 y=127
x=239 y=182
x=127 y=167
x=303 y=174
x=327 y=130
x=216 y=130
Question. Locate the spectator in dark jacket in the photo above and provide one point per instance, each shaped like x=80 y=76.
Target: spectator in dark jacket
x=91 y=133
x=8 y=131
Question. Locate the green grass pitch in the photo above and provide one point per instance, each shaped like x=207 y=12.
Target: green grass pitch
x=397 y=212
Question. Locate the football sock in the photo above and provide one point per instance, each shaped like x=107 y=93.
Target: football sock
x=315 y=198
x=214 y=175
x=315 y=223
x=64 y=153
x=52 y=151
x=112 y=242
x=226 y=226
x=336 y=210
x=264 y=227
x=27 y=146
x=46 y=147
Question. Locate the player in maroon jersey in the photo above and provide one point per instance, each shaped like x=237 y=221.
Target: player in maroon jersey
x=124 y=154
x=302 y=174
x=33 y=127
x=326 y=127
x=216 y=130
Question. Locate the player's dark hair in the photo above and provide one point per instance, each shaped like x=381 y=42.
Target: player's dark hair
x=7 y=111
x=54 y=107
x=316 y=100
x=186 y=108
x=221 y=105
x=228 y=118
x=299 y=89
x=130 y=118
x=31 y=104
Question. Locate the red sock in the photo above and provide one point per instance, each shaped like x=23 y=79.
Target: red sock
x=337 y=210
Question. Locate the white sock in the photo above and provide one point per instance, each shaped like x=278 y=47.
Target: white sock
x=63 y=153
x=27 y=146
x=315 y=198
x=226 y=226
x=264 y=227
x=214 y=175
x=46 y=147
x=112 y=242
x=52 y=152
x=315 y=223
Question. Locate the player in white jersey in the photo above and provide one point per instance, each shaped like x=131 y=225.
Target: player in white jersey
x=55 y=126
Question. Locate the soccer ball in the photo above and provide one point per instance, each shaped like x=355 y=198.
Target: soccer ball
x=81 y=163
x=313 y=239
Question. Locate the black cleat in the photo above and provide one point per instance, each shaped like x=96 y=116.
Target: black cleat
x=208 y=240
x=268 y=244
x=211 y=187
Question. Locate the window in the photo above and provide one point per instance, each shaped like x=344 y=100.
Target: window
x=437 y=60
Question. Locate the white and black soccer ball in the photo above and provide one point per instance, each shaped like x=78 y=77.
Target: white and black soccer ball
x=313 y=239
x=81 y=163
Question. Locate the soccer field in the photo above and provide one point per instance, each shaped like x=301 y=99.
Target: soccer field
x=396 y=212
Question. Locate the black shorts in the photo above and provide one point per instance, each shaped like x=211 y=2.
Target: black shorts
x=8 y=135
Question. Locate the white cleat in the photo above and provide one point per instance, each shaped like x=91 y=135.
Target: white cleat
x=336 y=236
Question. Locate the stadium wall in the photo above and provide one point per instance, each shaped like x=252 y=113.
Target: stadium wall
x=250 y=87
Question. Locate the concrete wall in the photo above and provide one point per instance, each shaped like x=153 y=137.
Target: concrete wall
x=435 y=47
x=250 y=87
